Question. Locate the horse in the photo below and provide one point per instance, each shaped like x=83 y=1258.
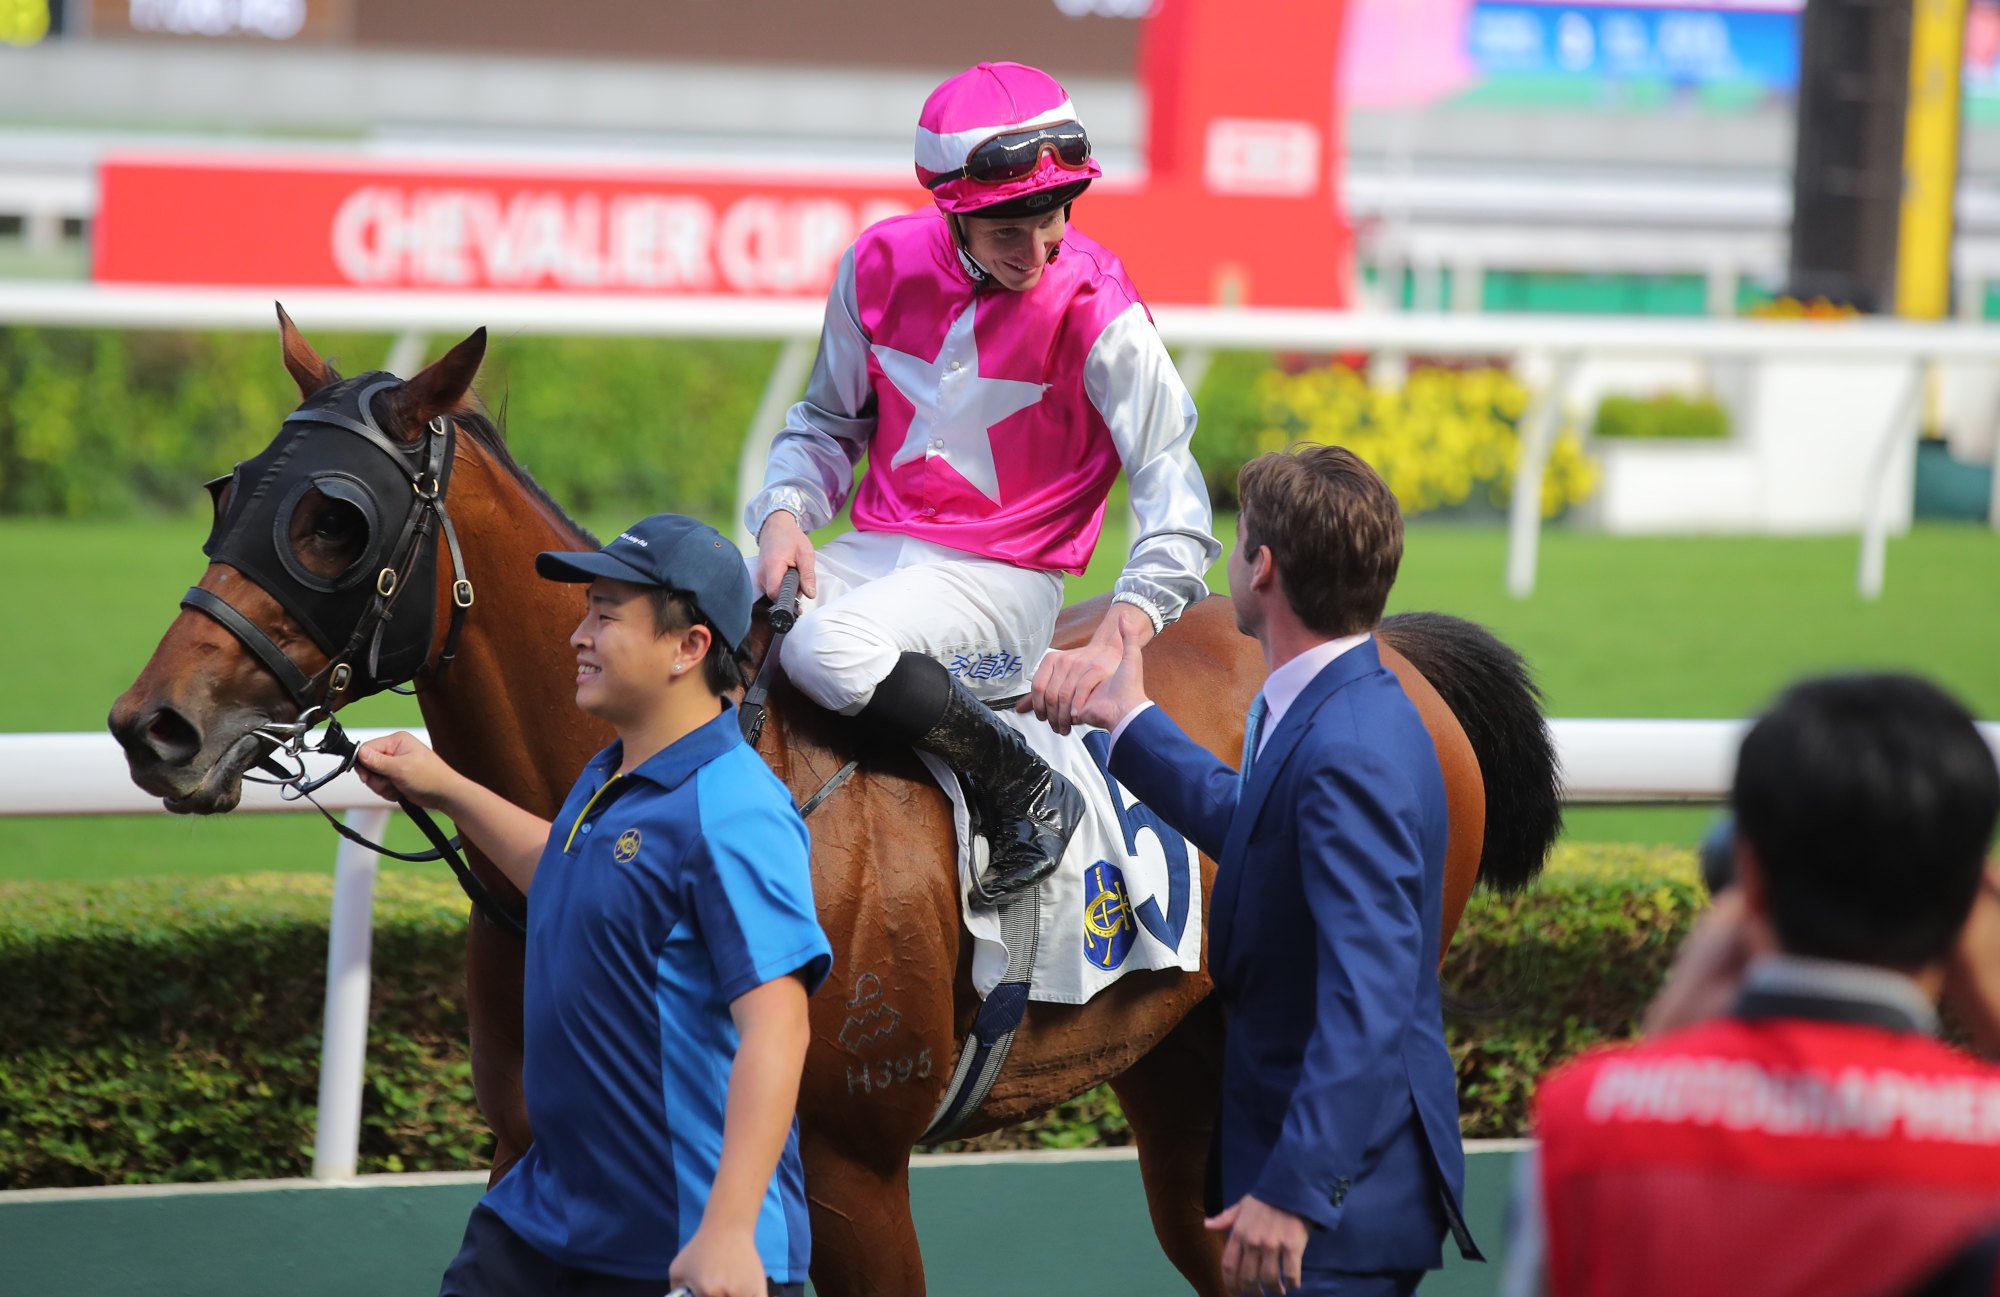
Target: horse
x=340 y=613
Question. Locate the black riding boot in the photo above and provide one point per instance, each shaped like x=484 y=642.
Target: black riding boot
x=1026 y=810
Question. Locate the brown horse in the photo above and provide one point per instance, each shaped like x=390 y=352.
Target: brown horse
x=882 y=845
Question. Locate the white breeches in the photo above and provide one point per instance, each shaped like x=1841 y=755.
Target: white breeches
x=882 y=595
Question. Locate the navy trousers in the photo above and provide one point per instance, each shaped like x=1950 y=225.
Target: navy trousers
x=494 y=1261
x=1340 y=1283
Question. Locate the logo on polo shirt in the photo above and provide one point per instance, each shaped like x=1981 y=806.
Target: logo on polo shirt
x=628 y=846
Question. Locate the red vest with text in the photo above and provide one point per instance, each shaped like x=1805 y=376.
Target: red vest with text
x=1776 y=1157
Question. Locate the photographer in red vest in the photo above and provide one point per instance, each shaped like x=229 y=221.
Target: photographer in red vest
x=1811 y=1137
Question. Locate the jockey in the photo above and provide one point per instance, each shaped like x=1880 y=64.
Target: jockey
x=997 y=368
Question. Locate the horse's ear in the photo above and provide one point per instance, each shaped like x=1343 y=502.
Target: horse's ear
x=442 y=388
x=304 y=364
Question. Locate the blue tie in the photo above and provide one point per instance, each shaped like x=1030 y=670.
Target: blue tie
x=1253 y=730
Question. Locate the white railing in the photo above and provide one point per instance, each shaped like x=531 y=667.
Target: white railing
x=1563 y=340
x=1605 y=761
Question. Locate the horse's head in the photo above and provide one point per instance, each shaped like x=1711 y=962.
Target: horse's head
x=322 y=578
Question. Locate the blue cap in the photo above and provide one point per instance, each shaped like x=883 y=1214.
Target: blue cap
x=678 y=554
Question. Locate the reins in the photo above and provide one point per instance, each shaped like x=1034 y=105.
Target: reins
x=784 y=614
x=294 y=785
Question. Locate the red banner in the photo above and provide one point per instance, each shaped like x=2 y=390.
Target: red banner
x=227 y=221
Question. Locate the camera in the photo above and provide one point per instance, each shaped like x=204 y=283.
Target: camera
x=1718 y=855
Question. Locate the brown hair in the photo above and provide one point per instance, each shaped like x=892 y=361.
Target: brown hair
x=1334 y=532
x=674 y=612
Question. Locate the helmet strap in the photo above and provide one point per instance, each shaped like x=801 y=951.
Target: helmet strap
x=977 y=273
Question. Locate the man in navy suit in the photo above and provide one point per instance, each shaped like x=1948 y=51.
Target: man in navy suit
x=1337 y=1151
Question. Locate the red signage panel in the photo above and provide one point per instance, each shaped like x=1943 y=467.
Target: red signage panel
x=315 y=223
x=319 y=223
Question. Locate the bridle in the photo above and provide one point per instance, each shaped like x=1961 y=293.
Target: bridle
x=397 y=488
x=388 y=591
x=401 y=489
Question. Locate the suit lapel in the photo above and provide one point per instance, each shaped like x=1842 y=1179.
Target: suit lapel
x=1350 y=666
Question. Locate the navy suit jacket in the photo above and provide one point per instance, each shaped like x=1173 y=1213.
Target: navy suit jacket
x=1339 y=1099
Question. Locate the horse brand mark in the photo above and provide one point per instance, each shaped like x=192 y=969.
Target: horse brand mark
x=871 y=1020
x=628 y=846
x=880 y=1075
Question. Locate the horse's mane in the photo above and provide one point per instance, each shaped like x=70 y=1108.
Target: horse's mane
x=474 y=421
x=493 y=441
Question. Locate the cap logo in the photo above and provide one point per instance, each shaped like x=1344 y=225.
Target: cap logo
x=626 y=535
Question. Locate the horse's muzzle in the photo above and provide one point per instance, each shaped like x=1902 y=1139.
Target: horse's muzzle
x=164 y=752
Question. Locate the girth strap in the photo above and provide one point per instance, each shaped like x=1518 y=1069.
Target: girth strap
x=986 y=1046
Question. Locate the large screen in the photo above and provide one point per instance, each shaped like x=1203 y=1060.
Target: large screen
x=1721 y=55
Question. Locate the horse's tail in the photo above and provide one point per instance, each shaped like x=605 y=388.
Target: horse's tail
x=1488 y=687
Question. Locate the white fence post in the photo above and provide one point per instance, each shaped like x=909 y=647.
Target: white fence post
x=1524 y=511
x=344 y=1039
x=406 y=354
x=1903 y=428
x=1993 y=497
x=788 y=375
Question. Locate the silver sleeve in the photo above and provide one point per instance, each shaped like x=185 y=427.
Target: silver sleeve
x=811 y=469
x=1132 y=382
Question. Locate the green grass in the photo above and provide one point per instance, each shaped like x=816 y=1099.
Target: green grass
x=1705 y=627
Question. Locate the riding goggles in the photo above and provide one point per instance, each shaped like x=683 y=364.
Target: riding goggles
x=1016 y=154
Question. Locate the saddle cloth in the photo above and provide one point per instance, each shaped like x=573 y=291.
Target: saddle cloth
x=1126 y=896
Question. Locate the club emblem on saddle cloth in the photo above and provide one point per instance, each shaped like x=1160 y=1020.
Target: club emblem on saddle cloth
x=1126 y=896
x=956 y=406
x=1108 y=925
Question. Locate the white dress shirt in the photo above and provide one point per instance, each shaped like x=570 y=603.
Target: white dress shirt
x=1281 y=689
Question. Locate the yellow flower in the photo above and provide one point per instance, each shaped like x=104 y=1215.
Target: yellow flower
x=1437 y=440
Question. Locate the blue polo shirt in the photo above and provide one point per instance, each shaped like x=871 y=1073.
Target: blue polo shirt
x=662 y=895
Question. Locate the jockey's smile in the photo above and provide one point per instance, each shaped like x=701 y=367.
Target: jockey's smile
x=1015 y=251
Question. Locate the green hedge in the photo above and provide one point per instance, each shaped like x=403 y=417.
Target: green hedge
x=1667 y=415
x=96 y=422
x=162 y=1031
x=1567 y=963
x=166 y=1031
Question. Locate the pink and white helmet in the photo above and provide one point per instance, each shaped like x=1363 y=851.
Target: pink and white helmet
x=1002 y=134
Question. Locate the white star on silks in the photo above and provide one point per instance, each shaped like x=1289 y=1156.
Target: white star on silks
x=956 y=407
